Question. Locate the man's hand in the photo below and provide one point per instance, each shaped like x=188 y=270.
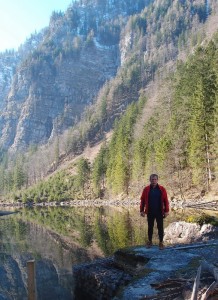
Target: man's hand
x=166 y=214
x=142 y=213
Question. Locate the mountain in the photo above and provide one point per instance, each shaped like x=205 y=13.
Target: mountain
x=97 y=67
x=54 y=81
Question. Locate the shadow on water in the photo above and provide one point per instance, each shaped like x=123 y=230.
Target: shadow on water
x=58 y=238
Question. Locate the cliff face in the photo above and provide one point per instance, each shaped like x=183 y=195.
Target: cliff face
x=49 y=97
x=8 y=63
x=58 y=72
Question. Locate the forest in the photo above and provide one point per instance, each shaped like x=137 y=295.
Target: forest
x=169 y=66
x=179 y=142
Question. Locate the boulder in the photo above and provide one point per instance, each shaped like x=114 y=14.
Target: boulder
x=183 y=232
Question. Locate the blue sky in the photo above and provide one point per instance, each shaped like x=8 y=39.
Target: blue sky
x=20 y=18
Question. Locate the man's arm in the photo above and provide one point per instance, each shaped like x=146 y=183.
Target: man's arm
x=142 y=204
x=166 y=203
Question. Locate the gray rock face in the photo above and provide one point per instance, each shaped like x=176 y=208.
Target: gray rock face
x=183 y=232
x=61 y=73
x=8 y=63
x=47 y=99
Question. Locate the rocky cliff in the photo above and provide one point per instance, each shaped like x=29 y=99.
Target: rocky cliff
x=46 y=97
x=51 y=79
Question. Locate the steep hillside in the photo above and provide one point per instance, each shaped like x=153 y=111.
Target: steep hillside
x=149 y=44
x=62 y=74
x=9 y=62
x=178 y=141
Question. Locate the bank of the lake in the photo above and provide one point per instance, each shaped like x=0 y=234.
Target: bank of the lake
x=140 y=273
x=175 y=203
x=59 y=238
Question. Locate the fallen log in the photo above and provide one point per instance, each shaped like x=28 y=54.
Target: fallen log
x=209 y=291
x=205 y=266
x=211 y=205
x=194 y=295
x=5 y=213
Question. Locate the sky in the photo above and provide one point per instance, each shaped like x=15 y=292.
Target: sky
x=20 y=18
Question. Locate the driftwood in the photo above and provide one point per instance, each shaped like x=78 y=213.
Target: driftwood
x=173 y=288
x=5 y=213
x=201 y=245
x=196 y=285
x=169 y=289
x=211 y=289
x=209 y=205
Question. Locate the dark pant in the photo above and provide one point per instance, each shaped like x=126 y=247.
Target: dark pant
x=159 y=221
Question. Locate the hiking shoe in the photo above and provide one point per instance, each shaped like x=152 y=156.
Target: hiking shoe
x=149 y=244
x=161 y=246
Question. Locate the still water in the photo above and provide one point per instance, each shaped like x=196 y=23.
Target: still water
x=57 y=238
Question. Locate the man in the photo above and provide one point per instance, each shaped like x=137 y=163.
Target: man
x=154 y=204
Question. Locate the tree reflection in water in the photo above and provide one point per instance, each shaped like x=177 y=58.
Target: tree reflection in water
x=58 y=238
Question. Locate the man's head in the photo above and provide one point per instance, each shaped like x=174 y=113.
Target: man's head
x=153 y=179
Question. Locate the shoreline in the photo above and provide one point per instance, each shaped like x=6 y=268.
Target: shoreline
x=135 y=272
x=174 y=205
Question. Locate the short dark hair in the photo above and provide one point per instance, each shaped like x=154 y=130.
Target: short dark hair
x=153 y=175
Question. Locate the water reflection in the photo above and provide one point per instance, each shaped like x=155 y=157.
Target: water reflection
x=20 y=242
x=57 y=238
x=109 y=228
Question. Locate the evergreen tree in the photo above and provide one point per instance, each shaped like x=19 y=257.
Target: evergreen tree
x=2 y=179
x=120 y=153
x=82 y=180
x=196 y=149
x=118 y=229
x=101 y=234
x=19 y=175
x=99 y=170
x=57 y=153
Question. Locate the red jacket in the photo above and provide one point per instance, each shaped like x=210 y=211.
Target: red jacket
x=144 y=199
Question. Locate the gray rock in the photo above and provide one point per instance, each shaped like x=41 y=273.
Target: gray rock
x=134 y=272
x=183 y=232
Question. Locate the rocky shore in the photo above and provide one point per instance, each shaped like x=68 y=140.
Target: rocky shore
x=174 y=203
x=141 y=273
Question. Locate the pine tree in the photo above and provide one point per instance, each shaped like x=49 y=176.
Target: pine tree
x=196 y=148
x=120 y=152
x=99 y=170
x=19 y=175
x=82 y=180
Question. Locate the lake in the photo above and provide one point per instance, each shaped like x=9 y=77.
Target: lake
x=58 y=238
